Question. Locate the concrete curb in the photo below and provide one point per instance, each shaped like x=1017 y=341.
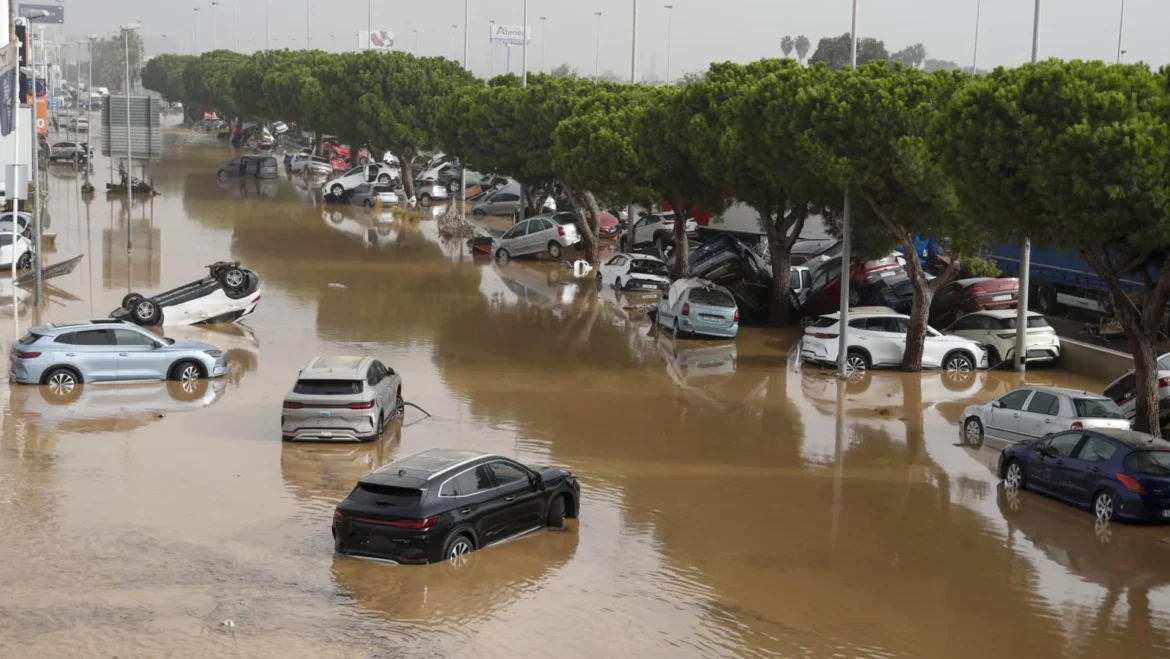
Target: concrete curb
x=1093 y=361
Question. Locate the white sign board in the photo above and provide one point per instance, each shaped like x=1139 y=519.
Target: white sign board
x=510 y=34
x=375 y=40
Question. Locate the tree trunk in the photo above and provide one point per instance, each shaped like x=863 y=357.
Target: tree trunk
x=407 y=176
x=588 y=222
x=682 y=254
x=781 y=235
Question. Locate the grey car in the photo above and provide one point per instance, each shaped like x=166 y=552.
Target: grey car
x=505 y=201
x=551 y=233
x=341 y=399
x=64 y=356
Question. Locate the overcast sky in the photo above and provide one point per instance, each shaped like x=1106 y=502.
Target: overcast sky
x=703 y=30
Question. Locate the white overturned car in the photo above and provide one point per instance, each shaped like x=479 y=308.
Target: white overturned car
x=226 y=295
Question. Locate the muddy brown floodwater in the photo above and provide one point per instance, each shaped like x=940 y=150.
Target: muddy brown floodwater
x=730 y=507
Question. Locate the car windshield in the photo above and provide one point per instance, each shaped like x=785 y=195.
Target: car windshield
x=823 y=321
x=1097 y=408
x=1033 y=322
x=328 y=387
x=711 y=297
x=386 y=495
x=649 y=267
x=1153 y=463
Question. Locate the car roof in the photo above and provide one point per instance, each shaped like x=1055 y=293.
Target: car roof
x=855 y=312
x=415 y=470
x=1132 y=438
x=1004 y=313
x=335 y=366
x=967 y=283
x=1064 y=391
x=641 y=257
x=60 y=328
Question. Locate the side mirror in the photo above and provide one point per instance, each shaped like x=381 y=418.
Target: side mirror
x=997 y=404
x=536 y=481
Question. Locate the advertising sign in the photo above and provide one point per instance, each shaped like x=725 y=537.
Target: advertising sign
x=375 y=40
x=510 y=34
x=56 y=13
x=7 y=87
x=23 y=57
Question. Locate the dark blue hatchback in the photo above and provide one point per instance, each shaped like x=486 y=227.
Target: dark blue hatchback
x=1117 y=474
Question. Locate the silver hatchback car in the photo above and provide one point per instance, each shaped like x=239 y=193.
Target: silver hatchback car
x=64 y=356
x=551 y=233
x=341 y=399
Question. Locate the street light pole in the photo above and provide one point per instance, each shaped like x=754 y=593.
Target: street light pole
x=634 y=52
x=36 y=169
x=524 y=51
x=308 y=28
x=214 y=43
x=597 y=57
x=846 y=242
x=1120 y=31
x=235 y=30
x=455 y=40
x=1026 y=248
x=975 y=58
x=194 y=45
x=463 y=165
x=369 y=23
x=491 y=49
x=669 y=28
x=415 y=42
x=267 y=27
x=129 y=147
x=543 y=44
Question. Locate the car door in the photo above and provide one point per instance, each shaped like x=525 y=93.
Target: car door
x=522 y=507
x=969 y=327
x=243 y=166
x=1083 y=471
x=612 y=269
x=1053 y=456
x=1003 y=421
x=934 y=348
x=887 y=337
x=1037 y=417
x=93 y=352
x=940 y=309
x=540 y=233
x=139 y=357
x=1123 y=392
x=473 y=492
x=518 y=245
x=381 y=386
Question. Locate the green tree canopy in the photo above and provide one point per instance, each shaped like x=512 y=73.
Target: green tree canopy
x=210 y=80
x=164 y=75
x=836 y=51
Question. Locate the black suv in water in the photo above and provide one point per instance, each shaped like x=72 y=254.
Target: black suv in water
x=444 y=503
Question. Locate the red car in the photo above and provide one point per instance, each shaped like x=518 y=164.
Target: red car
x=824 y=295
x=338 y=164
x=961 y=297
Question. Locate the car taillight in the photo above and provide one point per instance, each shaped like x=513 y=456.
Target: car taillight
x=369 y=404
x=735 y=316
x=413 y=524
x=1006 y=335
x=25 y=355
x=686 y=310
x=1164 y=382
x=1132 y=484
x=976 y=290
x=560 y=231
x=289 y=405
x=338 y=516
x=824 y=335
x=1076 y=425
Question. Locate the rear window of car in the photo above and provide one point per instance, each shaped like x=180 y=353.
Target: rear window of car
x=386 y=495
x=1152 y=463
x=823 y=321
x=327 y=387
x=28 y=339
x=648 y=267
x=1097 y=408
x=1033 y=322
x=711 y=297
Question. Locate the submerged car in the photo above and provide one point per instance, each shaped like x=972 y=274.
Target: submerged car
x=1033 y=412
x=249 y=167
x=1123 y=391
x=23 y=221
x=442 y=504
x=877 y=338
x=1117 y=474
x=634 y=272
x=996 y=330
x=227 y=294
x=536 y=235
x=341 y=399
x=69 y=151
x=308 y=164
x=965 y=296
x=370 y=194
x=895 y=291
x=695 y=307
x=22 y=252
x=64 y=356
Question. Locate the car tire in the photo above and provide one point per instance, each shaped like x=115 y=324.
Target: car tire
x=857 y=361
x=61 y=385
x=24 y=262
x=336 y=189
x=368 y=204
x=233 y=279
x=993 y=358
x=399 y=404
x=130 y=300
x=384 y=179
x=457 y=547
x=222 y=176
x=478 y=212
x=146 y=312
x=381 y=426
x=677 y=332
x=600 y=283
x=1014 y=475
x=617 y=284
x=555 y=250
x=502 y=255
x=1046 y=300
x=854 y=297
x=1104 y=506
x=453 y=186
x=424 y=200
x=958 y=362
x=556 y=512
x=186 y=371
x=973 y=432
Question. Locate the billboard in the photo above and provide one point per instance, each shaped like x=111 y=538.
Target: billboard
x=510 y=34
x=56 y=13
x=8 y=82
x=375 y=40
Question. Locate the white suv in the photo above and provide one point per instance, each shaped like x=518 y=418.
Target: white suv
x=878 y=339
x=380 y=173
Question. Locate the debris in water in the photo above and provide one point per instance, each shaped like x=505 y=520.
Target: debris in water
x=336 y=285
x=581 y=268
x=228 y=623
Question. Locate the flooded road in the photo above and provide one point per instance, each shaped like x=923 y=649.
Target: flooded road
x=731 y=505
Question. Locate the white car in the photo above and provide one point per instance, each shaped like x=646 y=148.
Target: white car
x=426 y=192
x=634 y=272
x=996 y=331
x=380 y=173
x=1033 y=412
x=23 y=254
x=226 y=295
x=878 y=339
x=1123 y=391
x=315 y=165
x=23 y=222
x=656 y=229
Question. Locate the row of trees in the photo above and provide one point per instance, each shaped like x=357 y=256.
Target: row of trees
x=1071 y=154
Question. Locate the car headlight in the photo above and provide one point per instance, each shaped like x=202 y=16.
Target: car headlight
x=214 y=353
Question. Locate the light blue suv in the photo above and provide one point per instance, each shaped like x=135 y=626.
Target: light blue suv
x=695 y=307
x=64 y=356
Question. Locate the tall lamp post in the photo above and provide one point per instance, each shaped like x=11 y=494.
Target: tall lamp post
x=491 y=49
x=455 y=40
x=267 y=27
x=308 y=28
x=543 y=43
x=194 y=43
x=1026 y=248
x=634 y=51
x=32 y=15
x=975 y=57
x=415 y=41
x=126 y=30
x=597 y=56
x=1120 y=32
x=214 y=43
x=463 y=165
x=846 y=241
x=669 y=29
x=369 y=22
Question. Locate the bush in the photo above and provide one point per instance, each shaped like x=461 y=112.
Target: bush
x=978 y=267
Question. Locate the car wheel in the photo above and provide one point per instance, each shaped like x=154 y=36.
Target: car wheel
x=381 y=425
x=600 y=284
x=233 y=278
x=677 y=332
x=399 y=404
x=502 y=255
x=854 y=297
x=856 y=362
x=223 y=176
x=993 y=358
x=457 y=547
x=453 y=186
x=24 y=262
x=146 y=312
x=1014 y=476
x=424 y=200
x=973 y=433
x=617 y=284
x=368 y=204
x=478 y=212
x=336 y=189
x=130 y=300
x=554 y=249
x=384 y=179
x=187 y=373
x=958 y=362
x=556 y=512
x=1103 y=506
x=188 y=390
x=62 y=385
x=1046 y=300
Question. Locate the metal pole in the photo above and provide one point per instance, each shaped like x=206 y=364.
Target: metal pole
x=634 y=55
x=597 y=57
x=130 y=149
x=308 y=33
x=524 y=50
x=370 y=23
x=267 y=26
x=492 y=50
x=669 y=28
x=235 y=30
x=975 y=58
x=846 y=240
x=1026 y=248
x=508 y=58
x=77 y=86
x=89 y=109
x=1120 y=31
x=11 y=194
x=463 y=165
x=214 y=43
x=36 y=170
x=194 y=45
x=543 y=44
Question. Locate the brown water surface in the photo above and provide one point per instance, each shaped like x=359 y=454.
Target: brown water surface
x=731 y=506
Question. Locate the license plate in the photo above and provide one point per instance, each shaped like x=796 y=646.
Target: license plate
x=325 y=414
x=887 y=273
x=710 y=317
x=1001 y=298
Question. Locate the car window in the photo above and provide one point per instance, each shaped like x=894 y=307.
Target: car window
x=1043 y=403
x=971 y=322
x=234 y=163
x=1096 y=449
x=506 y=473
x=471 y=481
x=372 y=376
x=1152 y=463
x=1033 y=323
x=520 y=230
x=327 y=387
x=886 y=324
x=97 y=337
x=806 y=278
x=1097 y=408
x=1016 y=399
x=1164 y=363
x=1122 y=389
x=507 y=196
x=125 y=337
x=617 y=260
x=794 y=279
x=858 y=323
x=1063 y=445
x=825 y=321
x=711 y=297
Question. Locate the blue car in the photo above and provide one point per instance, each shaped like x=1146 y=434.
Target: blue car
x=698 y=307
x=64 y=356
x=1115 y=473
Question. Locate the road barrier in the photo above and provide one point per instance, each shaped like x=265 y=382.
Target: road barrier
x=1093 y=361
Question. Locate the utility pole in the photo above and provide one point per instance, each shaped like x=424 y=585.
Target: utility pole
x=669 y=29
x=492 y=49
x=543 y=44
x=597 y=56
x=1026 y=248
x=214 y=43
x=846 y=242
x=370 y=23
x=235 y=29
x=194 y=43
x=523 y=83
x=634 y=48
x=36 y=136
x=267 y=27
x=308 y=28
x=975 y=58
x=463 y=164
x=1120 y=32
x=129 y=146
